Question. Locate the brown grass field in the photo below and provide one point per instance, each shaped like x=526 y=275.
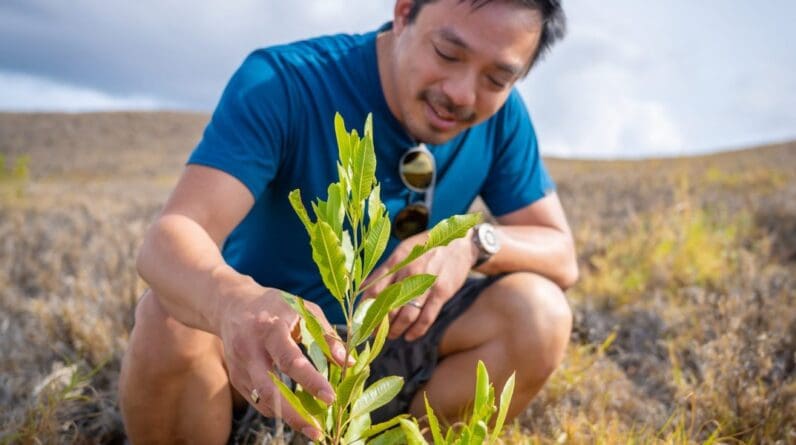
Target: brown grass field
x=685 y=327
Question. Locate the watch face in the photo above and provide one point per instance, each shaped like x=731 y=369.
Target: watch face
x=488 y=239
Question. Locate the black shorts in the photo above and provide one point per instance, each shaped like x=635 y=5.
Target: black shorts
x=414 y=361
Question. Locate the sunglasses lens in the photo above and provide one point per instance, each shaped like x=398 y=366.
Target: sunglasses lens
x=417 y=169
x=412 y=220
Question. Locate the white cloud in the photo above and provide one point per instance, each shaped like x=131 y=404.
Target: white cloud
x=630 y=79
x=22 y=92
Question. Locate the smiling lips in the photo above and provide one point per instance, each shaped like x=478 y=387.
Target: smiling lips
x=440 y=120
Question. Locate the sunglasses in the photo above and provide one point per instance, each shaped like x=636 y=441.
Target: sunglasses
x=418 y=173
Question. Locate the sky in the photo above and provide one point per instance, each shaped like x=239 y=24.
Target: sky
x=631 y=79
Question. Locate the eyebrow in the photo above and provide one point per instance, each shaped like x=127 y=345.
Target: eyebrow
x=451 y=36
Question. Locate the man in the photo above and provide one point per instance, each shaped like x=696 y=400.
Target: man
x=227 y=240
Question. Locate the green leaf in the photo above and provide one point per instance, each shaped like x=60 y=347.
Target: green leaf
x=293 y=400
x=369 y=125
x=381 y=337
x=335 y=373
x=417 y=252
x=479 y=433
x=363 y=359
x=451 y=228
x=384 y=426
x=376 y=242
x=394 y=436
x=319 y=208
x=359 y=315
x=351 y=388
x=342 y=173
x=377 y=311
x=314 y=407
x=464 y=436
x=356 y=428
x=298 y=206
x=335 y=212
x=481 y=386
x=343 y=140
x=375 y=206
x=315 y=328
x=314 y=350
x=412 y=287
x=505 y=402
x=412 y=433
x=363 y=164
x=348 y=250
x=358 y=277
x=443 y=233
x=433 y=423
x=377 y=395
x=450 y=435
x=330 y=259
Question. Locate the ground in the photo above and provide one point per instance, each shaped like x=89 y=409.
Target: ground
x=685 y=313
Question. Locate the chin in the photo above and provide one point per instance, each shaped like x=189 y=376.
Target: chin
x=424 y=132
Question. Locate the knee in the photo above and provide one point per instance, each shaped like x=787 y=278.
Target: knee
x=538 y=322
x=161 y=346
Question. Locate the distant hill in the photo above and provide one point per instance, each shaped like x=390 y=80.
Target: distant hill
x=157 y=143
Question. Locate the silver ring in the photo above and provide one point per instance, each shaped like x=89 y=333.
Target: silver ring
x=255 y=396
x=414 y=303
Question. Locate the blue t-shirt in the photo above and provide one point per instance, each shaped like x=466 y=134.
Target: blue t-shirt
x=273 y=130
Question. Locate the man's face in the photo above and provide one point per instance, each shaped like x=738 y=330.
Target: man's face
x=454 y=66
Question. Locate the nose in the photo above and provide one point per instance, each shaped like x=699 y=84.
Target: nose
x=461 y=90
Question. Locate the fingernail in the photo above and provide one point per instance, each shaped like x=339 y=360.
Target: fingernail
x=326 y=395
x=311 y=432
x=339 y=352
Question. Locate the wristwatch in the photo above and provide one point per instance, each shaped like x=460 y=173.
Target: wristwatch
x=486 y=240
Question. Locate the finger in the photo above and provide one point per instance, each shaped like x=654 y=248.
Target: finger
x=336 y=345
x=424 y=320
x=290 y=360
x=282 y=409
x=406 y=316
x=271 y=403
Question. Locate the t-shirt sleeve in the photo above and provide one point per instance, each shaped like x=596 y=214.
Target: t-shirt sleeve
x=517 y=176
x=247 y=132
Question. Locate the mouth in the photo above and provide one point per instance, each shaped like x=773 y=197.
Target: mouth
x=440 y=119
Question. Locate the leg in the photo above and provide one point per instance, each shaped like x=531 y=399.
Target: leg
x=523 y=323
x=173 y=386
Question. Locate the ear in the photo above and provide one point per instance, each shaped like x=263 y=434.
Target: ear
x=401 y=15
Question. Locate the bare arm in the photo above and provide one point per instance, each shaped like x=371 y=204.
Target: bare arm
x=536 y=238
x=182 y=262
x=181 y=258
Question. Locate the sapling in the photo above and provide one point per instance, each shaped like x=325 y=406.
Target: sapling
x=348 y=235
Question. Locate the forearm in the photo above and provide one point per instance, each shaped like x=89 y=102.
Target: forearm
x=543 y=250
x=184 y=267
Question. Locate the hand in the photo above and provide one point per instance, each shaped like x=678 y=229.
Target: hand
x=450 y=264
x=257 y=331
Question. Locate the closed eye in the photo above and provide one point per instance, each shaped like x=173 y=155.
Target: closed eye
x=444 y=56
x=496 y=83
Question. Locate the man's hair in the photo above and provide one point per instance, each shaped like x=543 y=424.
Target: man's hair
x=554 y=22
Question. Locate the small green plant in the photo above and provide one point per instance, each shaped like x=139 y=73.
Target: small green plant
x=474 y=431
x=13 y=178
x=348 y=236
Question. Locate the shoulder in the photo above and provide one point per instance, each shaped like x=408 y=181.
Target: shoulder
x=512 y=122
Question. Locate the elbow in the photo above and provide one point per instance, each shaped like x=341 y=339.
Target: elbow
x=569 y=270
x=569 y=275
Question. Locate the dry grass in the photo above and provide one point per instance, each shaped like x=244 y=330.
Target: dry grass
x=685 y=314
